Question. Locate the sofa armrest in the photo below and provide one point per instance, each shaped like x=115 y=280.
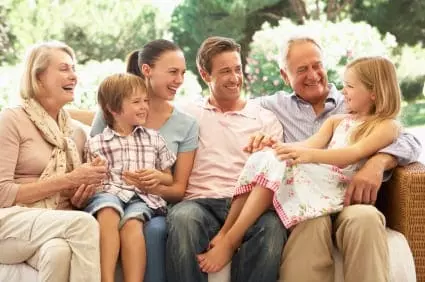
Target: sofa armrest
x=402 y=200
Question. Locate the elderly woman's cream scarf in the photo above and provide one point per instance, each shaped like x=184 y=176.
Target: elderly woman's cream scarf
x=64 y=156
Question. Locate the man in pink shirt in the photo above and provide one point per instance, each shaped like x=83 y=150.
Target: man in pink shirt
x=226 y=122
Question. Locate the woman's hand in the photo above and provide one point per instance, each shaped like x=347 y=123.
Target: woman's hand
x=89 y=173
x=82 y=194
x=258 y=141
x=146 y=180
x=295 y=154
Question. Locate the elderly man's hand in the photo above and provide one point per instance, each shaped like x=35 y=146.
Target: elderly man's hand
x=258 y=141
x=364 y=186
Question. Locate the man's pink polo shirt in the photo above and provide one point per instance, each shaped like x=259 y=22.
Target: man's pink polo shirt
x=222 y=136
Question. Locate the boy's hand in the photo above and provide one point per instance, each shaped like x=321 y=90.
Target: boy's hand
x=143 y=179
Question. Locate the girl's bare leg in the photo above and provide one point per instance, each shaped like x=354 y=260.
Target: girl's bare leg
x=259 y=200
x=235 y=209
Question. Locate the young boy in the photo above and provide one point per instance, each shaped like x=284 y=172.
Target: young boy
x=121 y=207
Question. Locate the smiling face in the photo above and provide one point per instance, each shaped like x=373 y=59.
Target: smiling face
x=226 y=77
x=166 y=75
x=134 y=111
x=57 y=82
x=305 y=73
x=358 y=99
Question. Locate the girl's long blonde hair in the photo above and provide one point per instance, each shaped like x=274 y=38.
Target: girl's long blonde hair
x=378 y=75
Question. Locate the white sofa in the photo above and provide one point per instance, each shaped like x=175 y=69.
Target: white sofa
x=402 y=267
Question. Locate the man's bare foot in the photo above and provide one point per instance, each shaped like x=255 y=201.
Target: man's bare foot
x=217 y=257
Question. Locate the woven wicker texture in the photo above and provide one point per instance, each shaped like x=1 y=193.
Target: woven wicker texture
x=402 y=200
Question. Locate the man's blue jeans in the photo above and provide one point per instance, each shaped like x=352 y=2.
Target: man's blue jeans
x=155 y=236
x=193 y=223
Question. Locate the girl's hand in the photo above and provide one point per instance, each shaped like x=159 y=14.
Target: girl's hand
x=295 y=154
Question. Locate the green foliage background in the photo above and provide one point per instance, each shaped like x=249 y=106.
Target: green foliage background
x=103 y=32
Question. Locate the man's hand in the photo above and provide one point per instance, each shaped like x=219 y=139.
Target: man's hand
x=364 y=186
x=258 y=141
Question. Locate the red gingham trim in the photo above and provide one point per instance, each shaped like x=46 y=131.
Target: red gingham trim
x=259 y=179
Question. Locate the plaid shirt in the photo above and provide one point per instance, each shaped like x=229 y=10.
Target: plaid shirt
x=143 y=148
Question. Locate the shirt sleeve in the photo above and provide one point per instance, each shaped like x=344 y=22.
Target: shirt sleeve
x=9 y=143
x=190 y=142
x=406 y=148
x=98 y=124
x=164 y=157
x=273 y=127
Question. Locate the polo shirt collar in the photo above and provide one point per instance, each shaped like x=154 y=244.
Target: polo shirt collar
x=247 y=111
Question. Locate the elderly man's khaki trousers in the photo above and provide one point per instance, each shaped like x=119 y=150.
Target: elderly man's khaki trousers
x=62 y=245
x=359 y=234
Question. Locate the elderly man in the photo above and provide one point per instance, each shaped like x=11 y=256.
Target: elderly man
x=359 y=230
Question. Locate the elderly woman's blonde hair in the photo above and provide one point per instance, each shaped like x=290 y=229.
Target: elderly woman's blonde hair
x=36 y=62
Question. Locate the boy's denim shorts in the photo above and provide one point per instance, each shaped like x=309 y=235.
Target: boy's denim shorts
x=135 y=208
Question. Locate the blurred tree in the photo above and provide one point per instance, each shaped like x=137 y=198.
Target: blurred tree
x=6 y=39
x=111 y=29
x=96 y=29
x=412 y=88
x=193 y=21
x=403 y=18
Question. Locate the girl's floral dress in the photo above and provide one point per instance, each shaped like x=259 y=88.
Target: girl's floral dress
x=301 y=191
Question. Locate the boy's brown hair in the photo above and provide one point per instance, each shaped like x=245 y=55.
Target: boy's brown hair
x=114 y=89
x=213 y=46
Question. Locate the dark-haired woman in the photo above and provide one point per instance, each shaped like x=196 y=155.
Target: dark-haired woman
x=161 y=63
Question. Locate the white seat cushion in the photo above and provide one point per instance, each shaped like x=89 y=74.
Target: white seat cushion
x=17 y=273
x=402 y=267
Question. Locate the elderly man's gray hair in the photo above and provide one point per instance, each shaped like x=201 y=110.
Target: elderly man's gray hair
x=296 y=37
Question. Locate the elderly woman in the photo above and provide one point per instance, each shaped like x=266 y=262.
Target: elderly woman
x=41 y=176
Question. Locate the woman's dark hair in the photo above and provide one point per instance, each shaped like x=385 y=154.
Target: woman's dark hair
x=132 y=64
x=149 y=54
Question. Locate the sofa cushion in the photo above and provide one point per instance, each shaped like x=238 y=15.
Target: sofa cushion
x=402 y=267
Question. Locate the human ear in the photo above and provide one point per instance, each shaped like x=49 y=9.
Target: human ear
x=146 y=70
x=284 y=76
x=205 y=75
x=113 y=113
